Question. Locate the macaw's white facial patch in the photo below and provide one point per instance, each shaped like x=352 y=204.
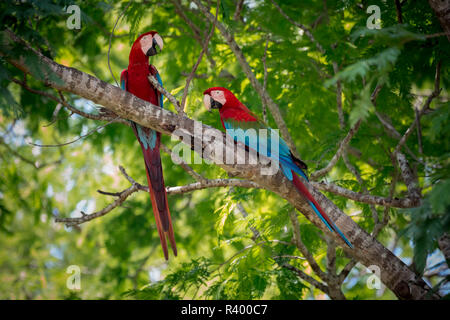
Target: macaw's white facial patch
x=218 y=96
x=146 y=43
x=159 y=41
x=207 y=101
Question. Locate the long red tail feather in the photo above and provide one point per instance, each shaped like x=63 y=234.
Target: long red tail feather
x=158 y=195
x=318 y=209
x=303 y=190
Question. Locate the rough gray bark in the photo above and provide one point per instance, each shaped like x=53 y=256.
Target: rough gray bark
x=442 y=10
x=367 y=250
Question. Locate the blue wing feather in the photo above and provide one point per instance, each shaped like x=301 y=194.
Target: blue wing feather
x=161 y=97
x=264 y=144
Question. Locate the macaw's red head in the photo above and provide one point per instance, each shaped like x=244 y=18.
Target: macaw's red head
x=218 y=97
x=146 y=45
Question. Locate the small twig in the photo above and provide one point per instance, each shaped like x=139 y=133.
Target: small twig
x=339 y=98
x=303 y=249
x=87 y=217
x=135 y=187
x=381 y=224
x=182 y=163
x=65 y=104
x=167 y=94
x=73 y=141
x=302 y=27
x=264 y=103
x=331 y=257
x=250 y=247
x=110 y=38
x=55 y=115
x=290 y=257
x=342 y=146
x=199 y=59
x=398 y=8
x=35 y=164
x=346 y=270
x=237 y=12
x=425 y=108
x=319 y=285
x=419 y=131
x=364 y=198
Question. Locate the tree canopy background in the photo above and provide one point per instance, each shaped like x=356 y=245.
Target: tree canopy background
x=322 y=66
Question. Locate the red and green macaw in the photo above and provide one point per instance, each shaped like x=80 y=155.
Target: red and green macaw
x=135 y=80
x=235 y=115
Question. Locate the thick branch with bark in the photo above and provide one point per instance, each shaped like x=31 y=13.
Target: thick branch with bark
x=442 y=10
x=213 y=145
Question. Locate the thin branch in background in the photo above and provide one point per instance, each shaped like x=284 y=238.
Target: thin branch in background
x=303 y=249
x=358 y=177
x=110 y=38
x=407 y=174
x=264 y=61
x=35 y=164
x=237 y=12
x=381 y=224
x=199 y=59
x=339 y=98
x=73 y=141
x=301 y=26
x=196 y=75
x=346 y=270
x=342 y=146
x=425 y=108
x=364 y=198
x=331 y=257
x=244 y=213
x=398 y=8
x=289 y=257
x=167 y=94
x=182 y=163
x=136 y=187
x=409 y=178
x=197 y=34
x=55 y=115
x=419 y=131
x=319 y=285
x=181 y=12
x=87 y=217
x=250 y=247
x=65 y=104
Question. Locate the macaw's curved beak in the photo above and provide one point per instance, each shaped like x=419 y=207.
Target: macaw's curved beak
x=210 y=103
x=154 y=49
x=207 y=102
